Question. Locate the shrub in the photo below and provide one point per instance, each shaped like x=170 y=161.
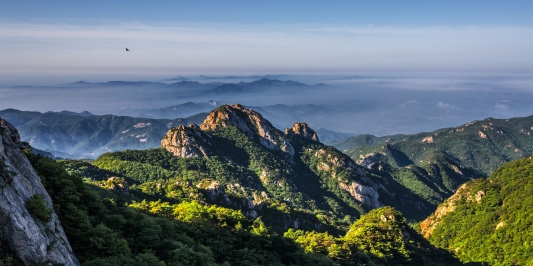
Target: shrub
x=37 y=207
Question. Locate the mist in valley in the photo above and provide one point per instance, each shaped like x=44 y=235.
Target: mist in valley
x=370 y=103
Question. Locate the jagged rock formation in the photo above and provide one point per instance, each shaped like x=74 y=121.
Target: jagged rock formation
x=303 y=130
x=249 y=122
x=33 y=240
x=188 y=141
x=195 y=141
x=362 y=189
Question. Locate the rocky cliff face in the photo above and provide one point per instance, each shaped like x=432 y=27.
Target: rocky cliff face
x=249 y=122
x=33 y=240
x=303 y=130
x=188 y=141
x=363 y=190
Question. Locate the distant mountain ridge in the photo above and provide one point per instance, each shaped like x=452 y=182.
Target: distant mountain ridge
x=482 y=145
x=84 y=135
x=74 y=136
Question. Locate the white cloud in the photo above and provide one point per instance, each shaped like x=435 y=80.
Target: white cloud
x=445 y=105
x=411 y=102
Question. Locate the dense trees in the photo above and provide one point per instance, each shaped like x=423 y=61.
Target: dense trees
x=110 y=227
x=492 y=218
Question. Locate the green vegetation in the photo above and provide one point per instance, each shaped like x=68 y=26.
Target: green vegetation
x=429 y=167
x=5 y=174
x=37 y=207
x=259 y=173
x=169 y=227
x=481 y=145
x=106 y=228
x=7 y=256
x=492 y=219
x=380 y=237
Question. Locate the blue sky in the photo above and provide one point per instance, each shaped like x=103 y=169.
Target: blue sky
x=167 y=38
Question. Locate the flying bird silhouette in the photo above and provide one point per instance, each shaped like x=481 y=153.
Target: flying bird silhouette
x=127 y=50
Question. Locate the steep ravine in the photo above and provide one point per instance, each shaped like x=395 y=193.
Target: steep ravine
x=33 y=240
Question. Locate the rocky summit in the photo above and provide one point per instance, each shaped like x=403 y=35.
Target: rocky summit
x=295 y=154
x=302 y=129
x=187 y=141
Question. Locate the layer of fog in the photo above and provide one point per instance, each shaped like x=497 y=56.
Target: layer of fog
x=377 y=104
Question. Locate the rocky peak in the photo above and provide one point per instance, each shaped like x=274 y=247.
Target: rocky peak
x=250 y=123
x=34 y=241
x=303 y=130
x=187 y=141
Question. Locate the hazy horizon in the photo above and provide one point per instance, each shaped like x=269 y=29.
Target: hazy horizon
x=414 y=66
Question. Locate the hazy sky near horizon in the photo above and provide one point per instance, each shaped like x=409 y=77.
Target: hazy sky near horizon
x=43 y=39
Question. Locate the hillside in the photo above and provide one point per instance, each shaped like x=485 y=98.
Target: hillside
x=489 y=220
x=241 y=157
x=189 y=206
x=111 y=224
x=481 y=145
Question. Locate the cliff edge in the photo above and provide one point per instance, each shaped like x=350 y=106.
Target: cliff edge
x=27 y=221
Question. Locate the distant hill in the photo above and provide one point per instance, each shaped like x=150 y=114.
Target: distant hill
x=329 y=136
x=180 y=110
x=71 y=135
x=488 y=221
x=481 y=145
x=262 y=85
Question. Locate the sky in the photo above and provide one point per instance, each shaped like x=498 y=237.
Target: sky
x=49 y=41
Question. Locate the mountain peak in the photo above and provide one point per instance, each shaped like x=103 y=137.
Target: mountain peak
x=250 y=123
x=303 y=130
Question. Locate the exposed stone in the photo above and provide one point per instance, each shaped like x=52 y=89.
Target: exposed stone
x=33 y=241
x=428 y=139
x=250 y=123
x=429 y=224
x=479 y=196
x=500 y=225
x=187 y=141
x=370 y=161
x=303 y=130
x=365 y=194
x=117 y=184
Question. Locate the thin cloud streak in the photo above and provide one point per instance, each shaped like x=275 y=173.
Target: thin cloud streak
x=31 y=48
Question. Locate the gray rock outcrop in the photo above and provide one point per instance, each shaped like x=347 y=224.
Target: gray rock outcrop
x=250 y=123
x=188 y=141
x=33 y=241
x=303 y=130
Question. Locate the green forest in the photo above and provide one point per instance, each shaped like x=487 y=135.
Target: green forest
x=492 y=219
x=107 y=226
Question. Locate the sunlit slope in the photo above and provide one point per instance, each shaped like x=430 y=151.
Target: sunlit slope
x=488 y=220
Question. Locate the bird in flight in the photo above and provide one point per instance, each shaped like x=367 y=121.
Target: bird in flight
x=127 y=50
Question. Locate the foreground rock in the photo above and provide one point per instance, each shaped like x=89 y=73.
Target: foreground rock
x=32 y=239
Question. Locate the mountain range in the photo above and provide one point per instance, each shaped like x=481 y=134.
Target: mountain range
x=83 y=135
x=235 y=180
x=481 y=145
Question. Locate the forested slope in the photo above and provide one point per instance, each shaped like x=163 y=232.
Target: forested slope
x=488 y=220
